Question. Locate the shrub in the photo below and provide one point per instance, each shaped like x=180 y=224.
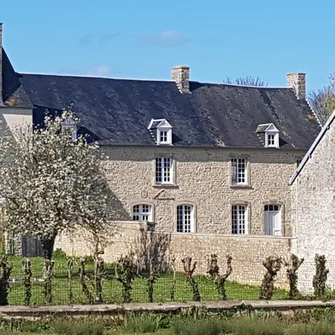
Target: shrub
x=272 y=265
x=200 y=327
x=59 y=253
x=317 y=328
x=145 y=323
x=77 y=327
x=292 y=275
x=321 y=274
x=257 y=326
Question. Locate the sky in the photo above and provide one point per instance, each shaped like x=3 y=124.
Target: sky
x=144 y=39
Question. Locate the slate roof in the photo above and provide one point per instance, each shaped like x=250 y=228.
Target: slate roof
x=118 y=111
x=13 y=94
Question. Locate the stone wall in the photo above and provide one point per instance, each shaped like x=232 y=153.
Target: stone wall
x=248 y=252
x=202 y=178
x=313 y=211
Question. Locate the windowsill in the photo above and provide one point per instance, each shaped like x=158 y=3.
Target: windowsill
x=241 y=186
x=165 y=186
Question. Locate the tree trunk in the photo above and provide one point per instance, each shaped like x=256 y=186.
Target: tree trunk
x=48 y=245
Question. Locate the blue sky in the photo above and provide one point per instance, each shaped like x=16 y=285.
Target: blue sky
x=145 y=38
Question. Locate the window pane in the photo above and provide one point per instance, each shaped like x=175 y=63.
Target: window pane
x=163 y=136
x=163 y=170
x=239 y=219
x=239 y=170
x=184 y=218
x=158 y=170
x=142 y=212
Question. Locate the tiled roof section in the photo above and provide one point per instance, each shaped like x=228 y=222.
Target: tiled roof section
x=118 y=111
x=13 y=93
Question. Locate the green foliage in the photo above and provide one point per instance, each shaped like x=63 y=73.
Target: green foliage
x=199 y=327
x=321 y=274
x=272 y=265
x=257 y=326
x=292 y=275
x=77 y=327
x=145 y=323
x=315 y=328
x=59 y=253
x=125 y=273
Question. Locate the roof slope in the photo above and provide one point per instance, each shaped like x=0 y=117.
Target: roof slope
x=309 y=153
x=13 y=94
x=118 y=111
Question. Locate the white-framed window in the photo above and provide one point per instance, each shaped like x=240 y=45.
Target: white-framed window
x=163 y=136
x=142 y=212
x=272 y=220
x=164 y=171
x=272 y=139
x=185 y=219
x=240 y=219
x=239 y=171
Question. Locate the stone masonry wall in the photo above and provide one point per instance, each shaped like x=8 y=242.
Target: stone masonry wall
x=203 y=179
x=248 y=252
x=313 y=211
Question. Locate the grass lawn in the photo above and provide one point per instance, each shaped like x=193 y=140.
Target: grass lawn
x=112 y=289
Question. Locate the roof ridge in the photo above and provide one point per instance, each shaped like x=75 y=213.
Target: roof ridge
x=312 y=148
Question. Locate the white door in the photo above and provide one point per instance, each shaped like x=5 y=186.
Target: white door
x=272 y=217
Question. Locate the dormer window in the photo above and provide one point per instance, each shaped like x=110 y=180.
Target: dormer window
x=271 y=140
x=161 y=131
x=163 y=136
x=271 y=135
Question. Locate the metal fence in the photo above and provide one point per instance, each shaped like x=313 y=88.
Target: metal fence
x=167 y=287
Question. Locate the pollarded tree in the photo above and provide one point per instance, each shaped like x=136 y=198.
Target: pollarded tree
x=52 y=182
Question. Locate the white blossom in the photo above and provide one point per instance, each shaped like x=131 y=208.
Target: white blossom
x=50 y=183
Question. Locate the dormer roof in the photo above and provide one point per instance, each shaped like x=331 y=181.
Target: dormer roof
x=159 y=123
x=262 y=128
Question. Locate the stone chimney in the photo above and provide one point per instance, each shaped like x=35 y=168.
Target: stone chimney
x=297 y=81
x=1 y=101
x=181 y=75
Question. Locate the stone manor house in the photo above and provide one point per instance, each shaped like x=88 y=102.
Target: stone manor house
x=206 y=164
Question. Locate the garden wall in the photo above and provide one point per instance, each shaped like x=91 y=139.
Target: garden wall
x=248 y=251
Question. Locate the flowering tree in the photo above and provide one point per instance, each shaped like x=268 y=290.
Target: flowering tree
x=52 y=182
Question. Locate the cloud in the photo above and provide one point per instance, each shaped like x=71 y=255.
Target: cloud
x=99 y=40
x=170 y=38
x=101 y=70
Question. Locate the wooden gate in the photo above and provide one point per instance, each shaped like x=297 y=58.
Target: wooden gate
x=32 y=247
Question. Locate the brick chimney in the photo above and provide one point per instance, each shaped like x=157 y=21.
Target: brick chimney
x=297 y=81
x=1 y=100
x=181 y=76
